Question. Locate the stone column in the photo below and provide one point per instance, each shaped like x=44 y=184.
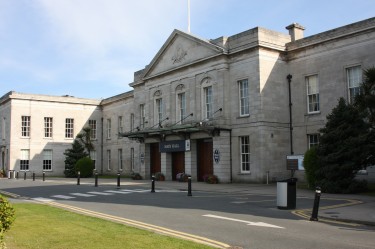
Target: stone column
x=191 y=160
x=166 y=165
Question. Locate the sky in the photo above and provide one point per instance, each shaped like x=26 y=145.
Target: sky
x=91 y=48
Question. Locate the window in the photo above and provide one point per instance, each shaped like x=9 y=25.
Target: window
x=3 y=128
x=109 y=160
x=243 y=86
x=24 y=160
x=93 y=157
x=25 y=126
x=132 y=122
x=69 y=128
x=313 y=140
x=92 y=125
x=208 y=102
x=120 y=124
x=47 y=159
x=120 y=162
x=47 y=127
x=132 y=158
x=245 y=154
x=354 y=78
x=312 y=93
x=181 y=107
x=159 y=110
x=109 y=127
x=142 y=114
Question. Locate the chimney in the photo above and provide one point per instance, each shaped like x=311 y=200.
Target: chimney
x=295 y=31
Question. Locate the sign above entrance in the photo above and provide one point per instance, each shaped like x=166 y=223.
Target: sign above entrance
x=294 y=162
x=174 y=146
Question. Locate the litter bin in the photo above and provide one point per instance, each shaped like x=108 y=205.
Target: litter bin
x=286 y=193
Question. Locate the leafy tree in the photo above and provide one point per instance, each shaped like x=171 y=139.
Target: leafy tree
x=85 y=166
x=72 y=156
x=342 y=148
x=84 y=138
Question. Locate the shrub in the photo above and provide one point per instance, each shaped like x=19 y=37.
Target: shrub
x=310 y=163
x=85 y=166
x=212 y=179
x=6 y=218
x=136 y=176
x=159 y=176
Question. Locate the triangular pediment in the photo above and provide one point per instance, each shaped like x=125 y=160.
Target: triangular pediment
x=181 y=49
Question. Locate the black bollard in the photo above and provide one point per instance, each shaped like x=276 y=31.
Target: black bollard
x=314 y=215
x=189 y=186
x=34 y=176
x=79 y=178
x=44 y=176
x=24 y=175
x=118 y=180
x=153 y=184
x=96 y=179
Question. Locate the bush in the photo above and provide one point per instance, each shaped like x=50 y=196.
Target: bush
x=310 y=163
x=159 y=176
x=6 y=218
x=136 y=176
x=212 y=179
x=85 y=166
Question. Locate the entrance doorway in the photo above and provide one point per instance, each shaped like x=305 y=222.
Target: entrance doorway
x=204 y=158
x=178 y=163
x=155 y=159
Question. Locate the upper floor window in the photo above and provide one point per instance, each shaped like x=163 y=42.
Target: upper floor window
x=3 y=128
x=142 y=115
x=47 y=159
x=25 y=126
x=181 y=107
x=120 y=124
x=132 y=122
x=159 y=110
x=48 y=126
x=109 y=128
x=245 y=154
x=354 y=79
x=208 y=102
x=69 y=128
x=312 y=85
x=243 y=86
x=93 y=128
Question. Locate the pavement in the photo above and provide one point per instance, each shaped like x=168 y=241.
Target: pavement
x=350 y=208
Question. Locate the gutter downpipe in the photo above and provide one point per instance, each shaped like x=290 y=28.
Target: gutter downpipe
x=289 y=78
x=101 y=148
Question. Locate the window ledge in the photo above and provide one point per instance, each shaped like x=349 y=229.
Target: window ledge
x=312 y=113
x=244 y=116
x=244 y=173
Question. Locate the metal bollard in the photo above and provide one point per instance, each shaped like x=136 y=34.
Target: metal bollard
x=118 y=180
x=314 y=215
x=24 y=175
x=96 y=179
x=44 y=176
x=34 y=176
x=78 y=178
x=189 y=186
x=153 y=184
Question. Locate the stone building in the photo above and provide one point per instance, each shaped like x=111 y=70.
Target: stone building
x=232 y=106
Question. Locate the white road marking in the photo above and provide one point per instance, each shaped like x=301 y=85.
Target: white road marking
x=99 y=193
x=117 y=192
x=249 y=223
x=41 y=199
x=135 y=190
x=82 y=195
x=66 y=197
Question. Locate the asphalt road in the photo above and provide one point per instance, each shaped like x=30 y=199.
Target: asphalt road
x=239 y=219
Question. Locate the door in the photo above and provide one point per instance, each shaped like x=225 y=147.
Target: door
x=204 y=154
x=178 y=163
x=155 y=159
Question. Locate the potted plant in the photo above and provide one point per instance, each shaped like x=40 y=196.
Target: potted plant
x=211 y=179
x=159 y=176
x=136 y=176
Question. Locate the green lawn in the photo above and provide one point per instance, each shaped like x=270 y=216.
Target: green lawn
x=41 y=226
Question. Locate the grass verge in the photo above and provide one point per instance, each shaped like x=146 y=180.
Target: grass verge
x=41 y=226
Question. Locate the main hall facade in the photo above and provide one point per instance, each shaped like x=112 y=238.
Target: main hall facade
x=235 y=107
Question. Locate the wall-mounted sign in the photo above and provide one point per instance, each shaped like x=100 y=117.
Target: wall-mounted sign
x=217 y=156
x=294 y=162
x=174 y=146
x=142 y=158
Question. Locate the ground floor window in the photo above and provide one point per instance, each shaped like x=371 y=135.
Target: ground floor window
x=47 y=159
x=109 y=160
x=245 y=154
x=313 y=140
x=25 y=160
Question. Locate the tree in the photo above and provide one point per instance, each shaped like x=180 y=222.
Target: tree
x=84 y=138
x=72 y=156
x=342 y=149
x=85 y=166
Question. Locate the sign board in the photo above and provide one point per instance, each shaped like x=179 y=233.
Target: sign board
x=294 y=162
x=217 y=156
x=174 y=146
x=142 y=157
